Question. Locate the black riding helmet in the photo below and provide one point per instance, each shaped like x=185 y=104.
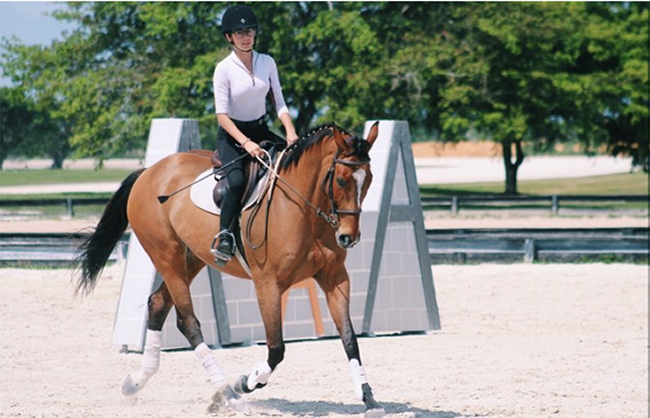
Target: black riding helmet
x=238 y=17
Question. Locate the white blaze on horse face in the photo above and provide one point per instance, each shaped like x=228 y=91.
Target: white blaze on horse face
x=360 y=177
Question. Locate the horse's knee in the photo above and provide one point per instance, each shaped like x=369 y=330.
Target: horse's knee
x=236 y=182
x=276 y=355
x=187 y=323
x=190 y=327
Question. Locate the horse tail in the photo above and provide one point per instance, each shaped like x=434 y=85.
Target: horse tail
x=95 y=250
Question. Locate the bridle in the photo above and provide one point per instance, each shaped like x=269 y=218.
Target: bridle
x=333 y=217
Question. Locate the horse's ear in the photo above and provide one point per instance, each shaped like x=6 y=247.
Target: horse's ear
x=338 y=138
x=373 y=134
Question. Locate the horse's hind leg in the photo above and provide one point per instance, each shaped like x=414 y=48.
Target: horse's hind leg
x=178 y=277
x=178 y=267
x=178 y=282
x=159 y=304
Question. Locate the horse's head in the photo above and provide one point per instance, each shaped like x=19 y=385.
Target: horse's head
x=348 y=181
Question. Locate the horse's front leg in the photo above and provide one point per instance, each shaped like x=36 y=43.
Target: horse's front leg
x=269 y=298
x=337 y=291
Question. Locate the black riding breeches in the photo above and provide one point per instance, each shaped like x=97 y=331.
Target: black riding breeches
x=229 y=149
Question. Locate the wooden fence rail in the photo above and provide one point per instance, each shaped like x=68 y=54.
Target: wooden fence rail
x=48 y=248
x=445 y=246
x=68 y=203
x=553 y=201
x=533 y=244
x=453 y=202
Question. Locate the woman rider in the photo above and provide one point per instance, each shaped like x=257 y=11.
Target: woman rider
x=241 y=83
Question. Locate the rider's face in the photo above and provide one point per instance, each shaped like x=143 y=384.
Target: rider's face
x=243 y=38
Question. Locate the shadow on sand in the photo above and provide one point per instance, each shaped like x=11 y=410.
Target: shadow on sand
x=321 y=409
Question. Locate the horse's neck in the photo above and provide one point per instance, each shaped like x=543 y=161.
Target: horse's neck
x=308 y=173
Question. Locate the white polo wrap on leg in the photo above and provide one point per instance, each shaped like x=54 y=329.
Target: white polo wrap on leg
x=358 y=378
x=260 y=374
x=209 y=362
x=135 y=382
x=151 y=355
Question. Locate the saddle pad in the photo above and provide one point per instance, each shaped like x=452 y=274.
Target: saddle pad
x=201 y=192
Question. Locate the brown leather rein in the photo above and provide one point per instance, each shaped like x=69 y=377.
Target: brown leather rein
x=333 y=217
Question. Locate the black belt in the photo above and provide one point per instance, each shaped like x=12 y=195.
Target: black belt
x=249 y=125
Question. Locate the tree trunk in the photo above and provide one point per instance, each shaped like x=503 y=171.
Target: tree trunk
x=57 y=163
x=512 y=167
x=59 y=155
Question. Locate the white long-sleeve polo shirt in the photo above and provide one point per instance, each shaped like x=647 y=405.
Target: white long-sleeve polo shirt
x=242 y=95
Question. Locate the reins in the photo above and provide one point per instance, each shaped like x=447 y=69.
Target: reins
x=249 y=224
x=332 y=218
x=332 y=221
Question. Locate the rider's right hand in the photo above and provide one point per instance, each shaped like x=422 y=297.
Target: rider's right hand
x=253 y=149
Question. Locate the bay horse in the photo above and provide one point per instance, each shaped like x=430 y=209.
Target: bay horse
x=310 y=222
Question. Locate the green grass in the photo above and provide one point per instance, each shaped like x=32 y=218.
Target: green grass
x=610 y=185
x=634 y=183
x=65 y=195
x=36 y=177
x=614 y=184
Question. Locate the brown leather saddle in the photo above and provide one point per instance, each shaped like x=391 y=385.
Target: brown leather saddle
x=254 y=171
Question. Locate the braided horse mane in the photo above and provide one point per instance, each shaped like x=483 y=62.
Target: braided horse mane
x=314 y=136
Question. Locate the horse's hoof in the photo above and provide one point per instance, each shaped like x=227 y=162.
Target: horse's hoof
x=130 y=387
x=226 y=398
x=375 y=413
x=240 y=386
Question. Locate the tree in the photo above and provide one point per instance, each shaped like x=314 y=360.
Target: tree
x=45 y=133
x=131 y=62
x=503 y=64
x=511 y=72
x=328 y=59
x=126 y=64
x=46 y=137
x=547 y=72
x=15 y=119
x=614 y=65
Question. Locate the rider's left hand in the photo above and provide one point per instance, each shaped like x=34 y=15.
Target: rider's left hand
x=291 y=139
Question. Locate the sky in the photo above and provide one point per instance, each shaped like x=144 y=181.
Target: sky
x=30 y=22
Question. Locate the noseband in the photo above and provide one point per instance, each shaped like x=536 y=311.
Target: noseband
x=333 y=218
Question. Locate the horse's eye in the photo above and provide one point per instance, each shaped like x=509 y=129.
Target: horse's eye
x=340 y=182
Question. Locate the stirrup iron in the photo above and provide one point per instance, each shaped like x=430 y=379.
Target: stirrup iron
x=221 y=258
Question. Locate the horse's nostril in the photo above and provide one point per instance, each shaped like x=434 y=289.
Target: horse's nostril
x=345 y=241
